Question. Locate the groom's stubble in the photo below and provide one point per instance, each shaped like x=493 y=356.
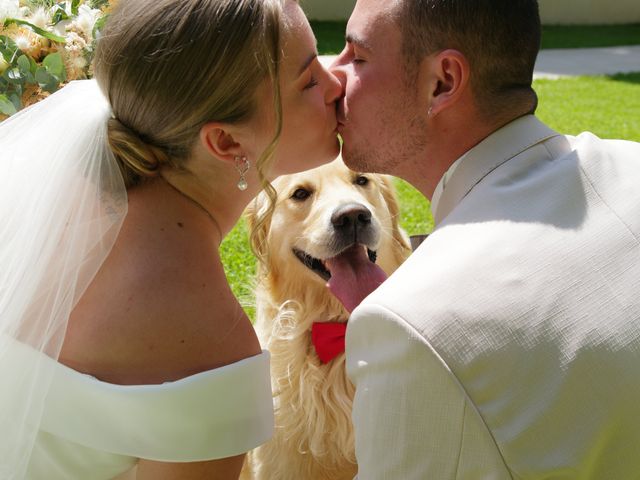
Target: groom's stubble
x=401 y=122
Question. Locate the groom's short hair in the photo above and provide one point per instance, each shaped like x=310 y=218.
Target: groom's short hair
x=499 y=38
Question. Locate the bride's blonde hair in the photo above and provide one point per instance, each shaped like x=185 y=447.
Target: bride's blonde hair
x=170 y=66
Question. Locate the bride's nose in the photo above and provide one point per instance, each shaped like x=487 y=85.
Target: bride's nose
x=334 y=89
x=337 y=68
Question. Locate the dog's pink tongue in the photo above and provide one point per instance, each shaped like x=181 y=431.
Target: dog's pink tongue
x=353 y=276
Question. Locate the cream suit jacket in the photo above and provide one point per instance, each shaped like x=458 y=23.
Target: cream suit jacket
x=508 y=345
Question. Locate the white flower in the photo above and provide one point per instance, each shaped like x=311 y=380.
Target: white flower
x=67 y=8
x=23 y=42
x=76 y=66
x=86 y=20
x=60 y=28
x=75 y=44
x=78 y=62
x=29 y=42
x=40 y=18
x=75 y=61
x=9 y=9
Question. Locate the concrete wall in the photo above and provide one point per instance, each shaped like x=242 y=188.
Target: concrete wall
x=553 y=12
x=568 y=12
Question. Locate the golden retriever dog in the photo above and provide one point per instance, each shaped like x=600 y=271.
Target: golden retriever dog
x=319 y=214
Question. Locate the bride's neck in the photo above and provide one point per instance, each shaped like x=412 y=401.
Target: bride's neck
x=216 y=194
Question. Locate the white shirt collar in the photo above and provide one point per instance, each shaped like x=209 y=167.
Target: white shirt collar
x=499 y=147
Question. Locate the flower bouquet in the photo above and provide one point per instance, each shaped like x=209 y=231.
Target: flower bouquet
x=43 y=45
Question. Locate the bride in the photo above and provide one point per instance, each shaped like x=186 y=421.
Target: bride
x=120 y=340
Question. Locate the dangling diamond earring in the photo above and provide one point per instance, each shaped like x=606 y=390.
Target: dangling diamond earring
x=430 y=112
x=242 y=166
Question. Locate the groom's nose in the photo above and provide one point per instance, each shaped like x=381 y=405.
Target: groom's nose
x=341 y=58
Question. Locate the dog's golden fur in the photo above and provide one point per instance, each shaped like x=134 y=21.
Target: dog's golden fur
x=314 y=435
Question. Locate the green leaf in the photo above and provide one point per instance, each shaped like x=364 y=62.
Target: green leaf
x=46 y=80
x=28 y=67
x=34 y=4
x=55 y=66
x=74 y=6
x=42 y=76
x=6 y=106
x=24 y=64
x=29 y=78
x=16 y=98
x=52 y=87
x=99 y=25
x=59 y=15
x=15 y=76
x=34 y=65
x=8 y=48
x=43 y=33
x=98 y=4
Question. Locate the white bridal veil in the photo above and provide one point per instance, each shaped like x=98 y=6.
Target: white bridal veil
x=62 y=202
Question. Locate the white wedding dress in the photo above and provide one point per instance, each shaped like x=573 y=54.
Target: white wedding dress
x=92 y=430
x=62 y=203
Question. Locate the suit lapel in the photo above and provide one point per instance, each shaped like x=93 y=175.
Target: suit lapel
x=495 y=150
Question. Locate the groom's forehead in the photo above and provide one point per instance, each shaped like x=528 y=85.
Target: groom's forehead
x=372 y=23
x=377 y=10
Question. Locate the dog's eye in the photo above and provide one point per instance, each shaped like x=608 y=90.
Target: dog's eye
x=361 y=180
x=301 y=194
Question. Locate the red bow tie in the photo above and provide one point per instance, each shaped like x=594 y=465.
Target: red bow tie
x=328 y=338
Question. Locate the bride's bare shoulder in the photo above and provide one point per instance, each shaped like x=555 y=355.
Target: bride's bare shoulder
x=159 y=309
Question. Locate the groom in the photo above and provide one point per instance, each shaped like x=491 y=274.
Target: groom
x=508 y=345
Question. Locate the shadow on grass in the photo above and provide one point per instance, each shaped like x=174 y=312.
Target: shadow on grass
x=626 y=77
x=589 y=36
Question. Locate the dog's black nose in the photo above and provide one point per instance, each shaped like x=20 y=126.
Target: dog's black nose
x=352 y=215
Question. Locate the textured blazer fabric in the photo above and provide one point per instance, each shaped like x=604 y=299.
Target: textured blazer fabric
x=508 y=345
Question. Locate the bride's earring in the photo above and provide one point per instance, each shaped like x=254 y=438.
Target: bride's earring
x=242 y=166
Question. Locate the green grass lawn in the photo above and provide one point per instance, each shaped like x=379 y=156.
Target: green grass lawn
x=606 y=106
x=330 y=36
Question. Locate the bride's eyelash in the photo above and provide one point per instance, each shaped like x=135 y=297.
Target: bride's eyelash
x=312 y=83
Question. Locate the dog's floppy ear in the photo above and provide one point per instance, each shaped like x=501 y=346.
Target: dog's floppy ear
x=258 y=215
x=389 y=194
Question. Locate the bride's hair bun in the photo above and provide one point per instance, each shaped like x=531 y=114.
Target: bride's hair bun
x=136 y=157
x=168 y=67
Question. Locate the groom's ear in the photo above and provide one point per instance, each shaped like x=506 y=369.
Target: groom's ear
x=447 y=79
